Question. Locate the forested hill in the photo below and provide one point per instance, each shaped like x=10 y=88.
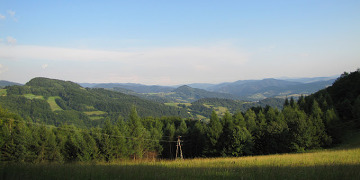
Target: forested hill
x=192 y=94
x=54 y=102
x=344 y=95
x=205 y=106
x=138 y=88
x=8 y=83
x=261 y=89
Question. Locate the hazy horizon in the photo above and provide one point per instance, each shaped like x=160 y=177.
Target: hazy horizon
x=172 y=43
x=278 y=78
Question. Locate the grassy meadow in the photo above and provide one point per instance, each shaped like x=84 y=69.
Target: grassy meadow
x=324 y=164
x=53 y=105
x=33 y=96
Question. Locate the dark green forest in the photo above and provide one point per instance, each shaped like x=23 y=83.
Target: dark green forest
x=133 y=128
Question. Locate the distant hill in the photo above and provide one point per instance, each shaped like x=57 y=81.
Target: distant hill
x=249 y=87
x=204 y=86
x=310 y=80
x=248 y=90
x=190 y=94
x=261 y=89
x=8 y=83
x=55 y=102
x=138 y=88
x=162 y=94
x=207 y=105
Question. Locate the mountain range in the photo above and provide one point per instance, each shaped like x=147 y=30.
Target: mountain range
x=250 y=90
x=8 y=83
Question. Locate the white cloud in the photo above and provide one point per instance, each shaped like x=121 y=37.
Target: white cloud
x=150 y=57
x=2 y=16
x=10 y=40
x=44 y=66
x=11 y=13
x=169 y=65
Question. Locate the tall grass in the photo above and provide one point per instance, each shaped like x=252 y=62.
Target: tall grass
x=327 y=164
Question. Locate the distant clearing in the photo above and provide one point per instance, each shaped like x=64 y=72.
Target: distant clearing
x=96 y=117
x=53 y=104
x=95 y=113
x=220 y=110
x=33 y=96
x=200 y=117
x=177 y=104
x=3 y=92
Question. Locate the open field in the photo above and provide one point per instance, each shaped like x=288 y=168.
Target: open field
x=33 y=96
x=327 y=164
x=220 y=110
x=53 y=104
x=177 y=104
x=3 y=92
x=94 y=113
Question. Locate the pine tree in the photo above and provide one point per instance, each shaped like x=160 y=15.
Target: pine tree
x=239 y=119
x=214 y=131
x=242 y=142
x=225 y=140
x=138 y=134
x=170 y=134
x=250 y=118
x=320 y=137
x=182 y=129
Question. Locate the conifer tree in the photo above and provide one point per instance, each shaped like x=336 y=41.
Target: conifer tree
x=138 y=134
x=170 y=134
x=242 y=142
x=225 y=140
x=239 y=119
x=250 y=118
x=214 y=131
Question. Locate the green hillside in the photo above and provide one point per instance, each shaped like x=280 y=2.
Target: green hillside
x=205 y=106
x=56 y=102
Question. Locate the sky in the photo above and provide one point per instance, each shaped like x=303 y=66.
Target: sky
x=173 y=42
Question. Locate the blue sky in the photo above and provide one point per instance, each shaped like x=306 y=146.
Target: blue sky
x=177 y=42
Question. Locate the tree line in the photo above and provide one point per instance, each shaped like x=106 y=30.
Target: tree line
x=257 y=131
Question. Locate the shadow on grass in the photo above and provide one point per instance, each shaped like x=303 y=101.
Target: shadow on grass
x=72 y=171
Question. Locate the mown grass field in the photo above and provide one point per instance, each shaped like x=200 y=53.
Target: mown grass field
x=326 y=164
x=177 y=104
x=95 y=113
x=53 y=105
x=33 y=96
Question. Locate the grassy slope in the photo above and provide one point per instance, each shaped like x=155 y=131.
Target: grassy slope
x=53 y=105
